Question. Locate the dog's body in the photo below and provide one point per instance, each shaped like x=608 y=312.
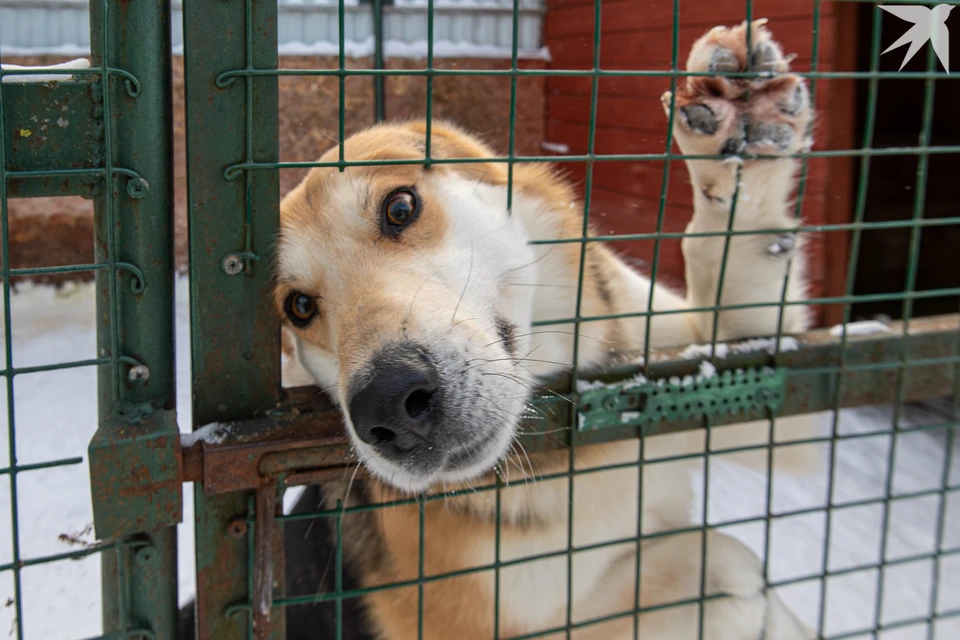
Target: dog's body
x=400 y=280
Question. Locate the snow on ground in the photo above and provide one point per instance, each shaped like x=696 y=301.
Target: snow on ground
x=55 y=415
x=79 y=63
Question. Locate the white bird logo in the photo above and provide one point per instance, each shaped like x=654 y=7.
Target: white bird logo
x=928 y=24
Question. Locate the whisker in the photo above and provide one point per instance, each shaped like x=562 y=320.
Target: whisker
x=537 y=333
x=414 y=299
x=534 y=284
x=544 y=389
x=529 y=462
x=530 y=264
x=465 y=285
x=461 y=321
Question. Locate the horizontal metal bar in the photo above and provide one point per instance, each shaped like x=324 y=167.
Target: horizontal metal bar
x=831 y=573
x=306 y=434
x=819 y=228
x=289 y=7
x=71 y=268
x=54 y=367
x=130 y=634
x=58 y=557
x=234 y=171
x=340 y=510
x=586 y=73
x=21 y=468
x=874 y=297
x=347 y=594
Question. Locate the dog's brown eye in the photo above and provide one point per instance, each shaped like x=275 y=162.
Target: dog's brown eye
x=300 y=308
x=399 y=209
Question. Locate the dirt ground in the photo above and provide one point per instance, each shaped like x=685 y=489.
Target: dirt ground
x=59 y=231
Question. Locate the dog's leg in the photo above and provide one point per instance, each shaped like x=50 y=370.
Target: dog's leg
x=730 y=117
x=737 y=605
x=725 y=116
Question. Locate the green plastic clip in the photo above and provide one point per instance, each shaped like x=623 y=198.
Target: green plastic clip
x=639 y=401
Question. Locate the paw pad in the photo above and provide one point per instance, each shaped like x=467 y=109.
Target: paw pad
x=770 y=134
x=723 y=60
x=766 y=57
x=783 y=245
x=761 y=115
x=700 y=118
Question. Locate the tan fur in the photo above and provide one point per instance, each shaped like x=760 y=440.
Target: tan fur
x=373 y=291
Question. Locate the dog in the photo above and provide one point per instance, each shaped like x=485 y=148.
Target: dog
x=410 y=295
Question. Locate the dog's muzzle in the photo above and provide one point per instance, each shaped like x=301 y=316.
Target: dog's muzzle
x=397 y=408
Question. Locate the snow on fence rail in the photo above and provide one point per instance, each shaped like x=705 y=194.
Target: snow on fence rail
x=462 y=28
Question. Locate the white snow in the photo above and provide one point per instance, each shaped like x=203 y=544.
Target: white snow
x=769 y=345
x=56 y=416
x=723 y=349
x=862 y=328
x=213 y=433
x=589 y=385
x=79 y=63
x=695 y=351
x=555 y=147
x=707 y=370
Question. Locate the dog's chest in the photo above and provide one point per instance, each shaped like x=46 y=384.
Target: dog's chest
x=534 y=595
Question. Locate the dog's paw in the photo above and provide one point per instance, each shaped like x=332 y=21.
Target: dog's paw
x=737 y=604
x=730 y=116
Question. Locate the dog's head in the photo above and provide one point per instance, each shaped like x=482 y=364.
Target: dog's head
x=398 y=284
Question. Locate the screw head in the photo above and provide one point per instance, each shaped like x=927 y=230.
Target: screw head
x=237 y=528
x=139 y=373
x=137 y=187
x=232 y=264
x=145 y=555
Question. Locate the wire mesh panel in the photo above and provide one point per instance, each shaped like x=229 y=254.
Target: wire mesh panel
x=620 y=534
x=100 y=129
x=259 y=442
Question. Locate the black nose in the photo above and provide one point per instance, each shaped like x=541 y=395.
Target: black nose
x=394 y=409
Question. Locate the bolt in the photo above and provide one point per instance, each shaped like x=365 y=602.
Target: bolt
x=237 y=528
x=139 y=373
x=137 y=187
x=145 y=555
x=232 y=264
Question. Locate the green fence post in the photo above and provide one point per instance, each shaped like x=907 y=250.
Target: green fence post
x=135 y=468
x=233 y=222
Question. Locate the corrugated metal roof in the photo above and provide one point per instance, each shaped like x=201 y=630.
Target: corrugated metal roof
x=480 y=28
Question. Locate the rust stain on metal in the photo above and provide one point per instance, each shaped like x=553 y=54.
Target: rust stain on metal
x=263 y=559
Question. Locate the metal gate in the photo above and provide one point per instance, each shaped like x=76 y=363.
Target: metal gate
x=118 y=151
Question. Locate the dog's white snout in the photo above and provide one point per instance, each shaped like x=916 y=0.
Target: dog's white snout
x=396 y=408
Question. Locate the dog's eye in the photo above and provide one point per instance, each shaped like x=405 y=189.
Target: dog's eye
x=399 y=209
x=300 y=308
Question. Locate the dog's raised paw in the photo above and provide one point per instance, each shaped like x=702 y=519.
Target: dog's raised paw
x=753 y=106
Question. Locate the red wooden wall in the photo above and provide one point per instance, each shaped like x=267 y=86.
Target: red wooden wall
x=637 y=34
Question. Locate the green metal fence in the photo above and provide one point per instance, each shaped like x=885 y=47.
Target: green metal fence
x=119 y=153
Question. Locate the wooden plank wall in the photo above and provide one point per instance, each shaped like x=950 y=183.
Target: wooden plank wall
x=638 y=34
